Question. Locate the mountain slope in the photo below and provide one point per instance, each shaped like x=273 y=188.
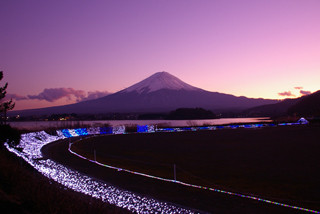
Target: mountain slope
x=307 y=105
x=278 y=109
x=161 y=92
x=304 y=106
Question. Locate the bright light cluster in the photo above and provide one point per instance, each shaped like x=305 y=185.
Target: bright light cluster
x=81 y=132
x=150 y=129
x=119 y=130
x=32 y=143
x=93 y=130
x=142 y=129
x=181 y=129
x=66 y=133
x=145 y=129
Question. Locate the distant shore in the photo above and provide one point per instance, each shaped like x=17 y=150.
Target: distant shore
x=42 y=125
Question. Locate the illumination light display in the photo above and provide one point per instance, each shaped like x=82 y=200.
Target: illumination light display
x=81 y=132
x=119 y=130
x=93 y=130
x=145 y=129
x=31 y=144
x=142 y=129
x=106 y=130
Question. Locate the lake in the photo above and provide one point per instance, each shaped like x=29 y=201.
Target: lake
x=38 y=125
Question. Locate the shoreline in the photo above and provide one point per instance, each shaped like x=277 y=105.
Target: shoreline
x=42 y=125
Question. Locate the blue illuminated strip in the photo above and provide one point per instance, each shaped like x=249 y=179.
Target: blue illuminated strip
x=81 y=132
x=145 y=129
x=142 y=129
x=66 y=133
x=105 y=130
x=73 y=133
x=198 y=186
x=234 y=126
x=30 y=146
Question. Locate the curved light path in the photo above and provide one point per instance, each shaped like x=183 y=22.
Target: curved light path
x=198 y=186
x=31 y=145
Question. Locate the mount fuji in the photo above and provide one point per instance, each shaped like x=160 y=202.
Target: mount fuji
x=158 y=81
x=161 y=92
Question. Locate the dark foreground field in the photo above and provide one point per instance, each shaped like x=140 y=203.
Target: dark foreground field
x=24 y=190
x=280 y=164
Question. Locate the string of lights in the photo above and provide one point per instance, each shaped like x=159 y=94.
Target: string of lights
x=30 y=146
x=197 y=186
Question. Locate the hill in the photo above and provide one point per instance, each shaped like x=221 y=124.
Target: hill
x=308 y=105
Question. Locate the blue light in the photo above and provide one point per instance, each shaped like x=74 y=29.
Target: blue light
x=81 y=131
x=66 y=133
x=169 y=129
x=106 y=130
x=31 y=144
x=234 y=126
x=203 y=128
x=142 y=129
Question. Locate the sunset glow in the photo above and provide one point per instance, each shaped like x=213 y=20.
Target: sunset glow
x=267 y=49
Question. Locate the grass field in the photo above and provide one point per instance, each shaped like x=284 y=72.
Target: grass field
x=280 y=163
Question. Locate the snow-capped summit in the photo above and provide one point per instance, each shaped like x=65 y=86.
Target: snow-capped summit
x=161 y=92
x=158 y=81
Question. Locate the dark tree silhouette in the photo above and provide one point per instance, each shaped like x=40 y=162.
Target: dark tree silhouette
x=2 y=89
x=7 y=134
x=5 y=106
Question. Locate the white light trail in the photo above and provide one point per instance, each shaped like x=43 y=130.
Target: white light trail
x=32 y=143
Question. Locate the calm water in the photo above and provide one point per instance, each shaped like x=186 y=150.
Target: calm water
x=32 y=125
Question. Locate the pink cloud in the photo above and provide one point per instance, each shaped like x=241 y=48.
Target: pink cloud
x=298 y=88
x=95 y=95
x=16 y=97
x=305 y=92
x=53 y=94
x=286 y=94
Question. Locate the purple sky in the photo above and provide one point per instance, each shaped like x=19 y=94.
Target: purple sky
x=251 y=48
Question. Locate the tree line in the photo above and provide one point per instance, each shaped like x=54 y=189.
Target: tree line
x=5 y=106
x=7 y=134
